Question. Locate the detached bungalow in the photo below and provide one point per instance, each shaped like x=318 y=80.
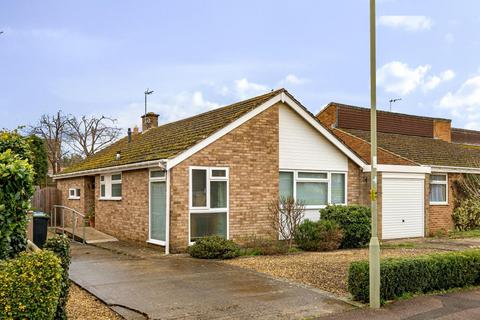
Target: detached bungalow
x=216 y=173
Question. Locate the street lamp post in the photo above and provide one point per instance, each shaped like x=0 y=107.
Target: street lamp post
x=374 y=246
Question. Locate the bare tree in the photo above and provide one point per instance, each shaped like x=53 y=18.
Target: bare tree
x=88 y=135
x=285 y=215
x=470 y=185
x=52 y=129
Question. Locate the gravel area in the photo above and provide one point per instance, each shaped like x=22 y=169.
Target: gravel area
x=324 y=270
x=82 y=305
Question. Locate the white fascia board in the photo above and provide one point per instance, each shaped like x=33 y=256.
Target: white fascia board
x=282 y=97
x=447 y=169
x=125 y=167
x=398 y=168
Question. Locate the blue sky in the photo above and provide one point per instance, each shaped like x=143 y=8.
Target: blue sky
x=97 y=57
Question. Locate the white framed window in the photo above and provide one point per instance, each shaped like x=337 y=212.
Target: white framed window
x=74 y=193
x=111 y=186
x=208 y=202
x=315 y=188
x=438 y=189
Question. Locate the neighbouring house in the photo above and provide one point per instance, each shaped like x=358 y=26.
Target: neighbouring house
x=217 y=172
x=420 y=159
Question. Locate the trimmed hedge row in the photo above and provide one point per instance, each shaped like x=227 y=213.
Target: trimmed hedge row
x=30 y=286
x=399 y=276
x=214 y=247
x=60 y=245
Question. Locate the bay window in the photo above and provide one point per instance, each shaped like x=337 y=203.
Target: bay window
x=208 y=202
x=438 y=189
x=111 y=186
x=314 y=189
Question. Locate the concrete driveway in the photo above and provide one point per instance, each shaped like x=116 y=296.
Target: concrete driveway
x=178 y=287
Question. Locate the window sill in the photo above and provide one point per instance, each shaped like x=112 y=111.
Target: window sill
x=439 y=203
x=110 y=199
x=156 y=242
x=73 y=198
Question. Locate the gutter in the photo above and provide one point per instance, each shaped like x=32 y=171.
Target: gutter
x=447 y=169
x=398 y=168
x=131 y=166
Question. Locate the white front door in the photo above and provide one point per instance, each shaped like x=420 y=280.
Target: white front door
x=158 y=196
x=402 y=205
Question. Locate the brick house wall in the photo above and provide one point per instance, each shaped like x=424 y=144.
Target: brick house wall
x=251 y=152
x=439 y=217
x=125 y=219
x=82 y=205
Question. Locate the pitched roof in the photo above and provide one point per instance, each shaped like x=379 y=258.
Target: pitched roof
x=425 y=151
x=170 y=139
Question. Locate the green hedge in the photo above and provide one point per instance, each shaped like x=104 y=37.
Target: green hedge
x=323 y=235
x=60 y=245
x=354 y=220
x=399 y=276
x=16 y=189
x=30 y=286
x=214 y=247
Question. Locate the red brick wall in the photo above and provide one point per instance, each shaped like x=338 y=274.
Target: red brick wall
x=440 y=216
x=251 y=153
x=442 y=129
x=328 y=116
x=125 y=219
x=82 y=205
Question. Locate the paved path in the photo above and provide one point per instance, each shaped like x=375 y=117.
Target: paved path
x=458 y=305
x=176 y=287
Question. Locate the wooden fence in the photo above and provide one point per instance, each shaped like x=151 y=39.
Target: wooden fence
x=44 y=199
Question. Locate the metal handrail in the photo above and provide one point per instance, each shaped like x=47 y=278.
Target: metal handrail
x=74 y=220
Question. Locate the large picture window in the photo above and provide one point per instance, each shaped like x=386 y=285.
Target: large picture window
x=315 y=189
x=438 y=189
x=111 y=186
x=208 y=202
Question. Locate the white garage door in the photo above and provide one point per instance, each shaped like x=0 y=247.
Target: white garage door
x=402 y=205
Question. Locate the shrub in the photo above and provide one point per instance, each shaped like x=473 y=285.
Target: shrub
x=401 y=276
x=353 y=220
x=16 y=189
x=60 y=245
x=285 y=215
x=30 y=286
x=214 y=247
x=258 y=246
x=324 y=235
x=467 y=215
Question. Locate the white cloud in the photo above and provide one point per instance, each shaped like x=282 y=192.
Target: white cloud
x=408 y=23
x=292 y=79
x=464 y=103
x=398 y=78
x=245 y=89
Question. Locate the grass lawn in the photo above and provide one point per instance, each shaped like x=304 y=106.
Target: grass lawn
x=327 y=271
x=464 y=234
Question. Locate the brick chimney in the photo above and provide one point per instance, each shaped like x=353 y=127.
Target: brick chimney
x=442 y=129
x=149 y=120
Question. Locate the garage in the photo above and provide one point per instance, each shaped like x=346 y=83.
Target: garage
x=402 y=205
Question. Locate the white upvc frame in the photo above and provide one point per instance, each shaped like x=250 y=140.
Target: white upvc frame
x=108 y=186
x=75 y=196
x=207 y=209
x=165 y=179
x=445 y=183
x=328 y=180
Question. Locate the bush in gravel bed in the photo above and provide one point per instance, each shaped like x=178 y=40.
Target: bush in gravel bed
x=354 y=221
x=30 y=286
x=258 y=246
x=214 y=247
x=323 y=235
x=467 y=215
x=400 y=276
x=60 y=245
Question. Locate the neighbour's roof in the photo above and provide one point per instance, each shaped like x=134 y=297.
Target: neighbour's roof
x=425 y=151
x=170 y=139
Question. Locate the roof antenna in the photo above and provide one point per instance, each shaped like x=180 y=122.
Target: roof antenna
x=147 y=92
x=393 y=101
